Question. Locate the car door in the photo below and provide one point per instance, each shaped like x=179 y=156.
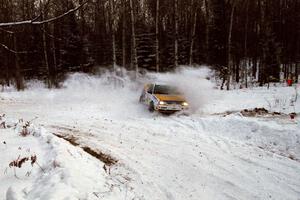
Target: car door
x=149 y=94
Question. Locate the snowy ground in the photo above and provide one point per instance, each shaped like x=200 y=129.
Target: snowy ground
x=213 y=153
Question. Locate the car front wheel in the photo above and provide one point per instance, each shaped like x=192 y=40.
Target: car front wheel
x=151 y=107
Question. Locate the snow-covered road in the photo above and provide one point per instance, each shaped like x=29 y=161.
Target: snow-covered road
x=180 y=158
x=200 y=156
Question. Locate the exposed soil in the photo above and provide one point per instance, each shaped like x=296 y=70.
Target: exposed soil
x=258 y=112
x=105 y=158
x=70 y=139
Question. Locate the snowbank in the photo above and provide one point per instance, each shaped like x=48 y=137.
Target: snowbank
x=61 y=171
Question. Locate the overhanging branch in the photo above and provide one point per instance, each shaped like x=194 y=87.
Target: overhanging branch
x=34 y=22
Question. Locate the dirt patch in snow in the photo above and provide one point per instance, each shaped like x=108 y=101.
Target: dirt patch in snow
x=258 y=112
x=105 y=158
x=70 y=139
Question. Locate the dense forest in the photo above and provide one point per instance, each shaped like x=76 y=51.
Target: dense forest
x=244 y=40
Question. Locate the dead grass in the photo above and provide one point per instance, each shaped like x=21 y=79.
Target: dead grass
x=256 y=112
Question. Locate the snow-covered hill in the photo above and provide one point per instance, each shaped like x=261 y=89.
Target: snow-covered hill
x=215 y=152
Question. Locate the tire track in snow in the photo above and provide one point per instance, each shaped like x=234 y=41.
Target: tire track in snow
x=215 y=165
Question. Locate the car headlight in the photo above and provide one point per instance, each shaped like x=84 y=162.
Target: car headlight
x=185 y=104
x=162 y=103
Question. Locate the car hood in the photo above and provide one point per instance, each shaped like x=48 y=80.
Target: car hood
x=164 y=97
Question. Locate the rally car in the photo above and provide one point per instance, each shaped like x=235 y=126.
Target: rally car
x=163 y=98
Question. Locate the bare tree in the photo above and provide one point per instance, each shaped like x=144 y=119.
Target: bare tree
x=230 y=62
x=246 y=45
x=18 y=71
x=113 y=29
x=207 y=15
x=157 y=36
x=134 y=59
x=176 y=33
x=193 y=29
x=54 y=70
x=261 y=35
x=124 y=33
x=43 y=8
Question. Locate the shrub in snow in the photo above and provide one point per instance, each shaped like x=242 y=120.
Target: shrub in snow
x=20 y=161
x=26 y=128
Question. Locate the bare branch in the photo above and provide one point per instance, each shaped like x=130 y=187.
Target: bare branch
x=34 y=22
x=50 y=35
x=15 y=52
x=9 y=32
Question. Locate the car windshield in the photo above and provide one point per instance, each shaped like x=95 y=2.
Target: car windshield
x=165 y=89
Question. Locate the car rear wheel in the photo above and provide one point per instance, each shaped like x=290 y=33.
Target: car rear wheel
x=142 y=98
x=151 y=107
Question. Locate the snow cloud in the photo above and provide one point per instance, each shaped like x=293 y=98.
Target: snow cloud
x=111 y=95
x=195 y=83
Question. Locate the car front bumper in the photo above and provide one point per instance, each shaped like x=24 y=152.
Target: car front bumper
x=170 y=107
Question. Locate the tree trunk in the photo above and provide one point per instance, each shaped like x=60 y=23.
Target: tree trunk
x=246 y=44
x=296 y=73
x=82 y=34
x=54 y=69
x=124 y=34
x=134 y=59
x=207 y=31
x=229 y=47
x=112 y=15
x=46 y=58
x=176 y=33
x=297 y=43
x=7 y=71
x=262 y=65
x=193 y=30
x=46 y=63
x=18 y=73
x=157 y=36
